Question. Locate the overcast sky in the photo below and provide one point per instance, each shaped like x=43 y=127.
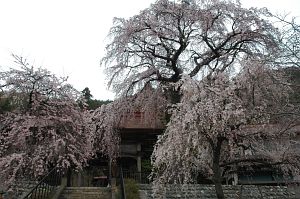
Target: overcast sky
x=68 y=36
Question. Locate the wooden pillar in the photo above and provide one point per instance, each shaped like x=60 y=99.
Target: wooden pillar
x=139 y=161
x=69 y=176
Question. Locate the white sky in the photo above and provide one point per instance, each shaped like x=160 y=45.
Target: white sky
x=68 y=36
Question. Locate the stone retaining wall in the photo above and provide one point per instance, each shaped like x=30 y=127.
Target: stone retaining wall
x=208 y=192
x=20 y=189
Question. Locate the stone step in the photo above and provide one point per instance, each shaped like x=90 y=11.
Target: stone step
x=86 y=189
x=86 y=193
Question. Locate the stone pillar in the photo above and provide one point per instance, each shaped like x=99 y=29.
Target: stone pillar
x=114 y=188
x=109 y=171
x=235 y=179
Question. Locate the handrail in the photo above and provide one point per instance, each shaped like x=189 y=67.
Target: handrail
x=122 y=184
x=46 y=185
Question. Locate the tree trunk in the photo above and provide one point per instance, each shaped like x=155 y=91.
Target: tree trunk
x=217 y=177
x=173 y=97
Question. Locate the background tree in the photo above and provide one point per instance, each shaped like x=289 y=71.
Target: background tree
x=288 y=40
x=91 y=103
x=87 y=94
x=6 y=103
x=193 y=52
x=46 y=130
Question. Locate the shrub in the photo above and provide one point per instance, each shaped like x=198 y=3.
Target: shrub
x=131 y=190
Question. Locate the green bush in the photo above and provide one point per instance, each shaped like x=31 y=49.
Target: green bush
x=146 y=166
x=131 y=190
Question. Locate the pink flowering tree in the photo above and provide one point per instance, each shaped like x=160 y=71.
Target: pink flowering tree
x=103 y=123
x=217 y=64
x=169 y=39
x=46 y=127
x=224 y=124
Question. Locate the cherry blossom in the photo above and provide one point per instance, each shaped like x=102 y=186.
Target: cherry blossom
x=46 y=129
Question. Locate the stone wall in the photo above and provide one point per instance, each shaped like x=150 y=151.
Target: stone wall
x=208 y=192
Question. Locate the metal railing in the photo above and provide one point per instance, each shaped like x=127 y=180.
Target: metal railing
x=140 y=177
x=46 y=186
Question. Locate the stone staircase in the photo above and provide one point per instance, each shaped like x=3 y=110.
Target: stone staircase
x=208 y=192
x=86 y=193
